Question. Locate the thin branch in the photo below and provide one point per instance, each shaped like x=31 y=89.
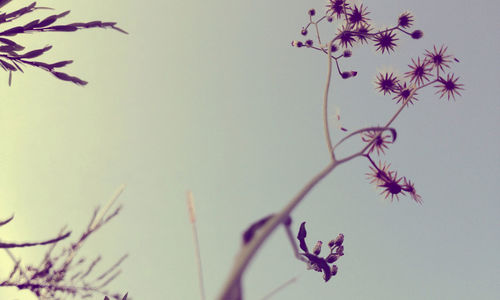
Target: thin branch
x=6 y=221
x=249 y=250
x=282 y=286
x=22 y=245
x=325 y=102
x=377 y=128
x=192 y=219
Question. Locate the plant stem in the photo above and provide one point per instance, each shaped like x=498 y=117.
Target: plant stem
x=325 y=102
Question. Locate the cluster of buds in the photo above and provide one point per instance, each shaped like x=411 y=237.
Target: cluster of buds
x=353 y=27
x=319 y=263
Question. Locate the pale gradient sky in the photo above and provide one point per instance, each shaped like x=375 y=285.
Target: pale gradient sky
x=209 y=96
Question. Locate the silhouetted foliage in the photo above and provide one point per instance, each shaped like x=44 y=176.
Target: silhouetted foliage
x=58 y=275
x=13 y=55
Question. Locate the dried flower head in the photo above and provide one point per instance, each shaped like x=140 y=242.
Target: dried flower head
x=405 y=20
x=392 y=186
x=362 y=32
x=420 y=70
x=357 y=15
x=409 y=187
x=379 y=174
x=403 y=93
x=387 y=83
x=449 y=86
x=379 y=141
x=337 y=7
x=345 y=36
x=438 y=58
x=385 y=41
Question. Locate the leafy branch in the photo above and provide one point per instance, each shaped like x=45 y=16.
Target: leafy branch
x=13 y=55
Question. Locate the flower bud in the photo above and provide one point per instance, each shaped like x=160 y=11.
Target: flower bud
x=417 y=34
x=340 y=250
x=311 y=12
x=332 y=257
x=346 y=75
x=335 y=269
x=309 y=43
x=303 y=31
x=317 y=248
x=339 y=240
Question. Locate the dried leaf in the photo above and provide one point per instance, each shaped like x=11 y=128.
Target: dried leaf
x=61 y=64
x=13 y=31
x=93 y=24
x=66 y=77
x=301 y=236
x=17 y=66
x=63 y=28
x=4 y=2
x=20 y=11
x=47 y=21
x=35 y=53
x=6 y=221
x=249 y=233
x=40 y=64
x=31 y=24
x=7 y=65
x=15 y=46
x=63 y=14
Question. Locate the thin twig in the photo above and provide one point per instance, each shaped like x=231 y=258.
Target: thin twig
x=282 y=286
x=325 y=102
x=192 y=219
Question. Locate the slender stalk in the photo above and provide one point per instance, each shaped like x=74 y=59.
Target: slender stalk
x=192 y=219
x=282 y=286
x=325 y=102
x=249 y=250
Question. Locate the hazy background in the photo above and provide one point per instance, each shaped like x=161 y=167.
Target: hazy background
x=209 y=96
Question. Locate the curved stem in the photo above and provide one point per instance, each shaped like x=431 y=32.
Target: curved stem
x=325 y=103
x=232 y=288
x=377 y=128
x=249 y=250
x=413 y=90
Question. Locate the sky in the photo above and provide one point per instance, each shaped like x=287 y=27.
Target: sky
x=210 y=97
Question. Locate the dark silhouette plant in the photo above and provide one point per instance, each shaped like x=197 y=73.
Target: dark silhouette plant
x=13 y=55
x=353 y=28
x=59 y=275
